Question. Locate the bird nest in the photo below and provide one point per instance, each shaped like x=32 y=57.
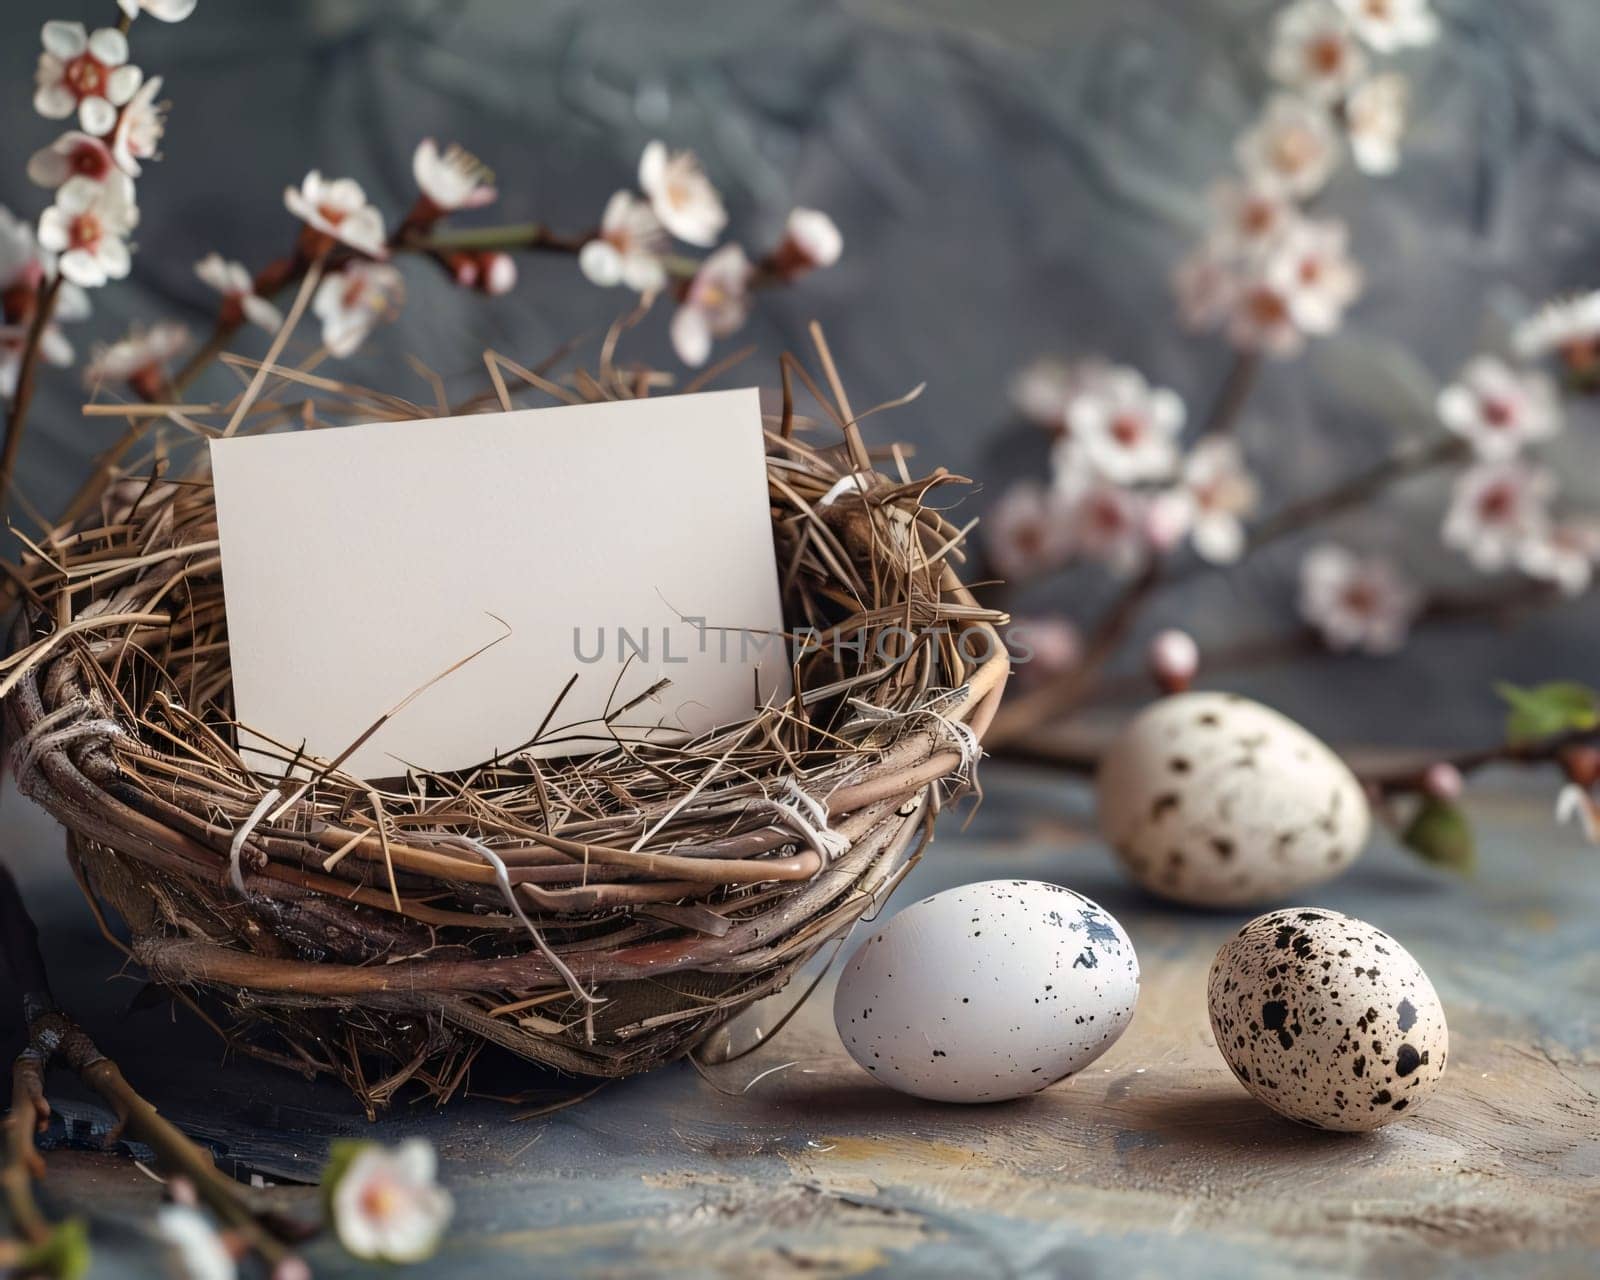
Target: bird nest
x=600 y=914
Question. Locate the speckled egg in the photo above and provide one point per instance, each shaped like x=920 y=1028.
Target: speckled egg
x=1215 y=800
x=988 y=991
x=1326 y=1019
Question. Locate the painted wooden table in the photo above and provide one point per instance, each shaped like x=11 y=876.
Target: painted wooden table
x=793 y=1162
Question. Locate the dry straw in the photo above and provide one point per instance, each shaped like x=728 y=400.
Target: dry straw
x=600 y=914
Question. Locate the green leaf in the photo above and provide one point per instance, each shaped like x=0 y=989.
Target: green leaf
x=1549 y=710
x=1442 y=834
x=65 y=1255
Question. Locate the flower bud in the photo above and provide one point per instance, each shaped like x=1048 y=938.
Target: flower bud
x=1442 y=781
x=1173 y=658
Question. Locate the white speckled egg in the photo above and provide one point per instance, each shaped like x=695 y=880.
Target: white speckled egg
x=988 y=991
x=1327 y=1020
x=1219 y=801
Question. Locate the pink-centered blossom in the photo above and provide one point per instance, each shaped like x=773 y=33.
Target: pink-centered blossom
x=387 y=1203
x=74 y=154
x=1292 y=148
x=1311 y=271
x=1390 y=25
x=1127 y=429
x=140 y=127
x=1262 y=318
x=84 y=73
x=140 y=359
x=1356 y=602
x=716 y=305
x=87 y=226
x=629 y=247
x=1110 y=524
x=451 y=179
x=1214 y=496
x=1495 y=509
x=1029 y=532
x=354 y=300
x=1374 y=119
x=1314 y=51
x=337 y=211
x=1498 y=409
x=238 y=289
x=681 y=194
x=1247 y=218
x=166 y=10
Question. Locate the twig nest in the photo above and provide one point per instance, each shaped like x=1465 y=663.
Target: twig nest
x=1215 y=800
x=987 y=992
x=1327 y=1020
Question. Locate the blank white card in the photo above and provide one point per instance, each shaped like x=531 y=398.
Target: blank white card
x=622 y=544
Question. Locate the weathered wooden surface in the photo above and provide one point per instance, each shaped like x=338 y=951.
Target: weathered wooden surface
x=1153 y=1163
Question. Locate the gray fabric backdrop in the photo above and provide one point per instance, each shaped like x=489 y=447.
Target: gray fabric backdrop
x=1011 y=178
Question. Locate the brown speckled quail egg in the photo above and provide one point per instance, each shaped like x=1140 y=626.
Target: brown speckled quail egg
x=1326 y=1019
x=1215 y=800
x=989 y=991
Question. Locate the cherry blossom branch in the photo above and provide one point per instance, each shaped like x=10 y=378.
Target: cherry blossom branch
x=27 y=375
x=1414 y=780
x=53 y=1036
x=1236 y=389
x=1071 y=688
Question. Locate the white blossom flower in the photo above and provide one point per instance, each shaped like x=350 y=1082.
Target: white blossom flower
x=453 y=179
x=1261 y=319
x=1574 y=804
x=233 y=281
x=1292 y=148
x=1497 y=409
x=1210 y=503
x=139 y=360
x=73 y=154
x=387 y=1204
x=139 y=128
x=1127 y=429
x=1310 y=270
x=354 y=300
x=89 y=74
x=1562 y=324
x=1374 y=119
x=1110 y=524
x=1314 y=51
x=716 y=305
x=1248 y=218
x=681 y=194
x=1356 y=602
x=196 y=1250
x=1495 y=509
x=1206 y=284
x=166 y=10
x=338 y=210
x=810 y=240
x=87 y=226
x=1566 y=554
x=1388 y=25
x=628 y=249
x=1029 y=532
